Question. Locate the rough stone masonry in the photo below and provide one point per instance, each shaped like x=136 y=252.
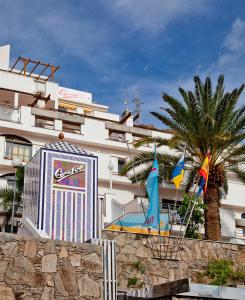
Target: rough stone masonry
x=136 y=265
x=49 y=269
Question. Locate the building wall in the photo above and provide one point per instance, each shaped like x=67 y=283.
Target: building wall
x=49 y=269
x=135 y=258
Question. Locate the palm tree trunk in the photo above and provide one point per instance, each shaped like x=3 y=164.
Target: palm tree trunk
x=211 y=214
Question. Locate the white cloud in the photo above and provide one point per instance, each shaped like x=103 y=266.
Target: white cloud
x=152 y=16
x=234 y=44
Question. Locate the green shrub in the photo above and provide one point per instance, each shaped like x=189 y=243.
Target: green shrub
x=138 y=265
x=219 y=271
x=132 y=281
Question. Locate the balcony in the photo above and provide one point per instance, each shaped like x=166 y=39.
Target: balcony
x=71 y=127
x=9 y=113
x=240 y=233
x=117 y=136
x=43 y=122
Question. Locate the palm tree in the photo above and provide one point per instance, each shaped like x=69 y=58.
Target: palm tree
x=7 y=195
x=203 y=119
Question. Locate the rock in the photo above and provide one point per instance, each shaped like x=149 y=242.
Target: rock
x=3 y=267
x=63 y=252
x=24 y=264
x=49 y=263
x=30 y=249
x=92 y=262
x=34 y=280
x=65 y=281
x=40 y=252
x=59 y=286
x=10 y=249
x=6 y=293
x=48 y=293
x=128 y=249
x=141 y=252
x=88 y=287
x=75 y=260
x=23 y=295
x=50 y=247
x=49 y=280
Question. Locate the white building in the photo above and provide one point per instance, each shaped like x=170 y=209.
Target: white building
x=34 y=109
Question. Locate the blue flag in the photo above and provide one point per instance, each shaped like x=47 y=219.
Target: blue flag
x=153 y=214
x=178 y=172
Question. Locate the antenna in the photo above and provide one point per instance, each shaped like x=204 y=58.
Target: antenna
x=126 y=104
x=138 y=109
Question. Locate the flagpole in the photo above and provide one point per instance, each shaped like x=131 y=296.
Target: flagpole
x=187 y=224
x=136 y=179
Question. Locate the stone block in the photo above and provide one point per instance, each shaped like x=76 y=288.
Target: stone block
x=65 y=280
x=10 y=249
x=88 y=287
x=49 y=263
x=50 y=247
x=30 y=249
x=48 y=293
x=24 y=264
x=63 y=252
x=6 y=293
x=75 y=260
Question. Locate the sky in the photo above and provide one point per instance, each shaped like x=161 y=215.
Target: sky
x=122 y=49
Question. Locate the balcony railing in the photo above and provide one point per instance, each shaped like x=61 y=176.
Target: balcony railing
x=44 y=123
x=118 y=137
x=240 y=233
x=9 y=113
x=71 y=127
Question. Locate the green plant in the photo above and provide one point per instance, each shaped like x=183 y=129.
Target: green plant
x=219 y=271
x=202 y=119
x=197 y=217
x=132 y=281
x=7 y=194
x=138 y=265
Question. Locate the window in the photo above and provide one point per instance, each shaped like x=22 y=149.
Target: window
x=243 y=216
x=169 y=204
x=71 y=127
x=44 y=122
x=118 y=164
x=121 y=164
x=17 y=147
x=117 y=136
x=168 y=207
x=9 y=179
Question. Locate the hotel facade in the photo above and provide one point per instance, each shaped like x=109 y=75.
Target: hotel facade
x=34 y=109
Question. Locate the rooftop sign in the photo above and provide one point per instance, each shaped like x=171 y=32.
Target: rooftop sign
x=74 y=95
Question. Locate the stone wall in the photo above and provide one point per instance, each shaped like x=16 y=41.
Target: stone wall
x=49 y=269
x=137 y=266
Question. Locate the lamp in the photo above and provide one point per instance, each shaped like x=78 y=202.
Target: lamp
x=16 y=162
x=110 y=167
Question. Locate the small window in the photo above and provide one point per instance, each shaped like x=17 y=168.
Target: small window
x=117 y=136
x=9 y=179
x=71 y=127
x=243 y=216
x=169 y=204
x=44 y=122
x=121 y=164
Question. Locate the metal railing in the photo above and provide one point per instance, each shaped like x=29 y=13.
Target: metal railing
x=118 y=137
x=109 y=268
x=9 y=113
x=240 y=233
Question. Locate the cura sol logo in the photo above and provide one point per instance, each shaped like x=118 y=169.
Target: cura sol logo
x=61 y=174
